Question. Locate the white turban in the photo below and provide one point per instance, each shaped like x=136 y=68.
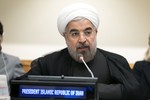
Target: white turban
x=76 y=10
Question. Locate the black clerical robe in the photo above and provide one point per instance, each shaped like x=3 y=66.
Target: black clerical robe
x=115 y=79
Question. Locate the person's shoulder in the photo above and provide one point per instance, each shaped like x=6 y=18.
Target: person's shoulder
x=109 y=54
x=142 y=63
x=115 y=59
x=57 y=53
x=53 y=57
x=10 y=56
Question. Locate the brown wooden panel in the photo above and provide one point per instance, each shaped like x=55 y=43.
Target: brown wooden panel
x=26 y=64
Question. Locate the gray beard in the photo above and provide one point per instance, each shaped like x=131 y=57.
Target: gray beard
x=88 y=56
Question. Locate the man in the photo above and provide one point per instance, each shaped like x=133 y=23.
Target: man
x=78 y=24
x=9 y=65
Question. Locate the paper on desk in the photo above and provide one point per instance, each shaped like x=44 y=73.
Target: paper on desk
x=4 y=94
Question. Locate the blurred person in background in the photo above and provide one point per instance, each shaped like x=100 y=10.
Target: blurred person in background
x=142 y=71
x=9 y=65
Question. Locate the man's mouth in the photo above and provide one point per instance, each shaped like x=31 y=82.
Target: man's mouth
x=82 y=49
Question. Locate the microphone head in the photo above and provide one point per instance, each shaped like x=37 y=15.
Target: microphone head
x=80 y=56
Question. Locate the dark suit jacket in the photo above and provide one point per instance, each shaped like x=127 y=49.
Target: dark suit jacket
x=142 y=72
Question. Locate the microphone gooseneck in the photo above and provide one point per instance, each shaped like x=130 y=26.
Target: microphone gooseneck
x=82 y=59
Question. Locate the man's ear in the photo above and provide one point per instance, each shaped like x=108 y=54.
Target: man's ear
x=64 y=34
x=96 y=31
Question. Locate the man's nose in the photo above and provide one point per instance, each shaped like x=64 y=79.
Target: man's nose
x=82 y=38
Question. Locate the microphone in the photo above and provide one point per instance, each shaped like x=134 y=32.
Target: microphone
x=82 y=59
